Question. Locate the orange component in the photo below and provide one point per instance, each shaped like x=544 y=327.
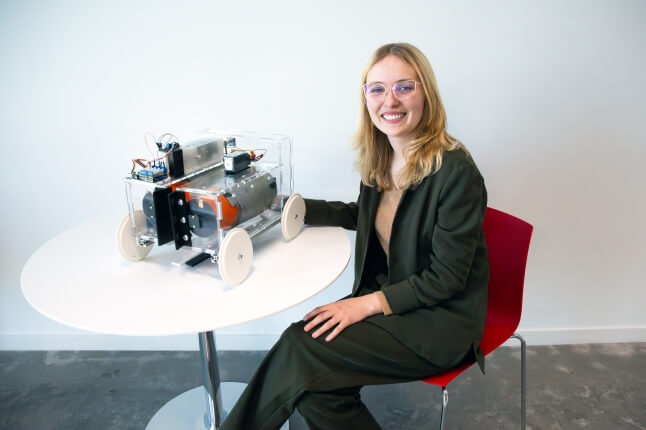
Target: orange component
x=175 y=186
x=230 y=214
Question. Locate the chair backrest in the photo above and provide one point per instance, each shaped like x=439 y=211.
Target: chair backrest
x=507 y=240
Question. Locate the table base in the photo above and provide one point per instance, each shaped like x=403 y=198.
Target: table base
x=186 y=411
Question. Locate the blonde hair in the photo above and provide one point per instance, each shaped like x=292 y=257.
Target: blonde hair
x=424 y=153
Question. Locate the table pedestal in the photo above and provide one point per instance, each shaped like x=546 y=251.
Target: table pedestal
x=202 y=408
x=186 y=411
x=211 y=377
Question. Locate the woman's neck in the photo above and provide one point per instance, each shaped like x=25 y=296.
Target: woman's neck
x=397 y=163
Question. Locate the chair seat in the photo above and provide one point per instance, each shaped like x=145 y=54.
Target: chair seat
x=492 y=338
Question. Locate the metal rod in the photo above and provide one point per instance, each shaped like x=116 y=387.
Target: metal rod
x=445 y=403
x=211 y=375
x=523 y=379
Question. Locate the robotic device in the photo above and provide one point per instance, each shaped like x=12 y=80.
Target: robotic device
x=212 y=196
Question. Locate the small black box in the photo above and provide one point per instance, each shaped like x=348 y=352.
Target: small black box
x=237 y=161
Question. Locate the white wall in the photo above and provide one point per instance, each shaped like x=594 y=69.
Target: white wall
x=549 y=96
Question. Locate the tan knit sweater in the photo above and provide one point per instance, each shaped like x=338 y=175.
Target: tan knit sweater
x=388 y=203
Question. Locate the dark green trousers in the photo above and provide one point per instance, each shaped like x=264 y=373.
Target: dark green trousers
x=323 y=379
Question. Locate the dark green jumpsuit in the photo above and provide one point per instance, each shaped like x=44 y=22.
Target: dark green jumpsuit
x=436 y=285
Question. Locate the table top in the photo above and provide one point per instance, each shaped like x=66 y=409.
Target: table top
x=78 y=278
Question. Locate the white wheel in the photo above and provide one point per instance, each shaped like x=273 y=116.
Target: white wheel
x=127 y=241
x=293 y=216
x=236 y=254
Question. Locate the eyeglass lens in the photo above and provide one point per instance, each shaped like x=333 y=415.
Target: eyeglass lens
x=402 y=90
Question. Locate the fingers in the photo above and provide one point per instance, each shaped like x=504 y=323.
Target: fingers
x=316 y=321
x=332 y=322
x=324 y=320
x=318 y=310
x=338 y=329
x=315 y=317
x=324 y=327
x=312 y=313
x=333 y=316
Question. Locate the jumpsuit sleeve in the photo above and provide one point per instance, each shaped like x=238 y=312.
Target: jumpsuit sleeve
x=333 y=214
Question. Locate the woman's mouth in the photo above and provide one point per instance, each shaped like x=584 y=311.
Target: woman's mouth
x=392 y=116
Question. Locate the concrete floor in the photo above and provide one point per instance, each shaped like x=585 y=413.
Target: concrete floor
x=599 y=386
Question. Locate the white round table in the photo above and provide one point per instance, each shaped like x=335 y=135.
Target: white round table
x=78 y=278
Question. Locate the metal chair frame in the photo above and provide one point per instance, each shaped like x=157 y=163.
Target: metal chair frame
x=523 y=386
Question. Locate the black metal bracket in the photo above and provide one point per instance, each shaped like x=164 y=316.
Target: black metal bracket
x=179 y=210
x=162 y=217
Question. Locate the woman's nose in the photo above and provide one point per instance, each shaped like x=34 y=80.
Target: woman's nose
x=389 y=98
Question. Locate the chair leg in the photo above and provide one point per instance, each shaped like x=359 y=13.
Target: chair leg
x=523 y=379
x=445 y=402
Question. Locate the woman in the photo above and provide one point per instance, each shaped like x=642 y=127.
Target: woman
x=418 y=302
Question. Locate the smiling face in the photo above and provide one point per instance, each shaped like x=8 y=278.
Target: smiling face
x=395 y=118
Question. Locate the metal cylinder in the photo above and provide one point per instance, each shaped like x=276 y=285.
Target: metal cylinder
x=211 y=376
x=253 y=195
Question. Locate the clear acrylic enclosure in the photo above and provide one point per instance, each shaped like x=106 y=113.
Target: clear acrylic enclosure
x=209 y=185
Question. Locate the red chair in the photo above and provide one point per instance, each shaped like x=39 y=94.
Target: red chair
x=507 y=245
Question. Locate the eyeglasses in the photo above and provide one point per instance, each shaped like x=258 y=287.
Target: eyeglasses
x=403 y=90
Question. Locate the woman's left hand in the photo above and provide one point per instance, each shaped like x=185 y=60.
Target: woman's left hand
x=340 y=315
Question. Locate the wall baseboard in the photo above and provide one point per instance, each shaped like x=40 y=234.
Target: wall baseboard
x=104 y=342
x=574 y=336
x=231 y=342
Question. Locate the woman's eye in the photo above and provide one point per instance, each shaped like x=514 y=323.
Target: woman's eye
x=403 y=88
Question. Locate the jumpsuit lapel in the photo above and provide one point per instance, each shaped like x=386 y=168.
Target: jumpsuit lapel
x=365 y=234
